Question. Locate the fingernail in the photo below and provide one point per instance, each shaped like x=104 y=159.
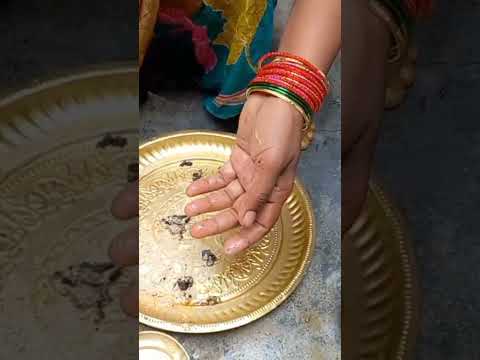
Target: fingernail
x=198 y=230
x=192 y=208
x=249 y=218
x=211 y=181
x=232 y=249
x=199 y=226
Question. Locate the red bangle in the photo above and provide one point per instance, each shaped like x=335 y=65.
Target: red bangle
x=297 y=87
x=315 y=90
x=313 y=86
x=287 y=55
x=295 y=74
x=298 y=68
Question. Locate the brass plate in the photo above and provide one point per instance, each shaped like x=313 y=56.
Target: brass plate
x=154 y=345
x=379 y=287
x=234 y=291
x=56 y=190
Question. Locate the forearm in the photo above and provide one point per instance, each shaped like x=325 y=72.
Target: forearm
x=314 y=31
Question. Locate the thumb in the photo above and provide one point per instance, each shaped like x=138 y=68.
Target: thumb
x=257 y=194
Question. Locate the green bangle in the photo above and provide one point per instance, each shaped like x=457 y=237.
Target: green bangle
x=283 y=91
x=307 y=119
x=286 y=92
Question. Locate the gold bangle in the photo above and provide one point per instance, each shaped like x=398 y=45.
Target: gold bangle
x=308 y=129
x=308 y=136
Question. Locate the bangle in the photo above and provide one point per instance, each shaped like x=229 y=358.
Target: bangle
x=319 y=91
x=296 y=73
x=296 y=81
x=277 y=92
x=286 y=84
x=294 y=58
x=308 y=129
x=283 y=91
x=319 y=76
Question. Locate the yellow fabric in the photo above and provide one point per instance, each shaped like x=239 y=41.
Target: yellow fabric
x=243 y=18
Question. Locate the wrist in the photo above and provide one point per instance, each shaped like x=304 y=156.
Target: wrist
x=292 y=118
x=296 y=81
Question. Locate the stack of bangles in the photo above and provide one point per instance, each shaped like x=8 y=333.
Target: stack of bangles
x=296 y=81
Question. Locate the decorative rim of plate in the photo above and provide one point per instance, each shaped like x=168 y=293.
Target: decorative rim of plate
x=279 y=298
x=12 y=94
x=379 y=267
x=411 y=290
x=164 y=338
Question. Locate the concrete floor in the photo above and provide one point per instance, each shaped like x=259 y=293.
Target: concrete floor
x=429 y=157
x=307 y=325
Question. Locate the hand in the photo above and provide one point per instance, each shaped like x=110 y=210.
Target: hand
x=251 y=188
x=124 y=247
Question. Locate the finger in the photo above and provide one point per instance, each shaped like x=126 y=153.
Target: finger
x=285 y=183
x=125 y=204
x=129 y=300
x=220 y=223
x=225 y=175
x=124 y=248
x=216 y=201
x=281 y=190
x=243 y=164
x=249 y=236
x=258 y=193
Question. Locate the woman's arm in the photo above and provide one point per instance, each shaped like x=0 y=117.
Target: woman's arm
x=253 y=186
x=314 y=31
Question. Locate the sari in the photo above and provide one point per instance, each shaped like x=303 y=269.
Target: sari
x=228 y=39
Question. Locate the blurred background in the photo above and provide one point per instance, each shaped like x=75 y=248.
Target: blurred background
x=40 y=38
x=428 y=157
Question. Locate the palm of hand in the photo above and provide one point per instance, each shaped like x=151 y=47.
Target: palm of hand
x=253 y=185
